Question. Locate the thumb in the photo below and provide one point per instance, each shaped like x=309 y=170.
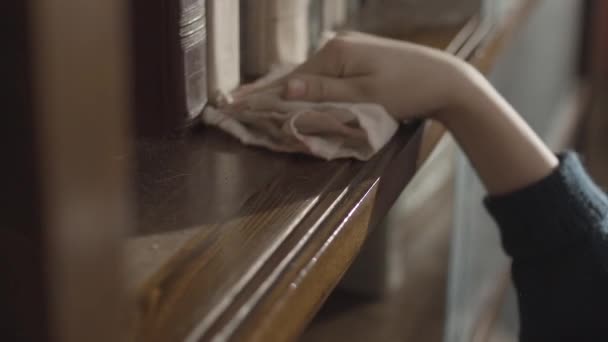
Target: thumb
x=316 y=88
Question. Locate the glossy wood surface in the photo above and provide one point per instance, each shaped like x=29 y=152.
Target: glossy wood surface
x=239 y=243
x=275 y=209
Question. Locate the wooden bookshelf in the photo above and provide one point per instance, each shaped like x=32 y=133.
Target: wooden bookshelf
x=228 y=242
x=240 y=243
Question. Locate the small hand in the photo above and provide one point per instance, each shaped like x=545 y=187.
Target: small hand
x=408 y=80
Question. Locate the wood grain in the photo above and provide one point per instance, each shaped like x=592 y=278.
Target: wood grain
x=233 y=242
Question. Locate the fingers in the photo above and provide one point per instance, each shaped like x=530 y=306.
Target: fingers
x=274 y=80
x=324 y=62
x=249 y=89
x=315 y=88
x=329 y=63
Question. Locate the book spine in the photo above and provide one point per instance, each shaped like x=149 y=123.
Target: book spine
x=223 y=48
x=335 y=14
x=274 y=32
x=170 y=72
x=193 y=45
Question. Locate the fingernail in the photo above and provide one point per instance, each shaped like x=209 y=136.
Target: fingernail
x=296 y=88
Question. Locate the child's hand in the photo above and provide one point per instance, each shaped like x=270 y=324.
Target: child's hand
x=408 y=80
x=413 y=81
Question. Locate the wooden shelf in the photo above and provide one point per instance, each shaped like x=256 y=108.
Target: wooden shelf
x=231 y=242
x=220 y=222
x=240 y=243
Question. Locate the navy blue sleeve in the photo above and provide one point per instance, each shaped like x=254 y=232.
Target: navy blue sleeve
x=556 y=232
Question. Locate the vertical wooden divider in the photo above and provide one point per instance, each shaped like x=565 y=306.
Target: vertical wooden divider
x=66 y=203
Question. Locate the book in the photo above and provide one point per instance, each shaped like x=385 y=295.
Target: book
x=327 y=17
x=273 y=32
x=397 y=17
x=223 y=49
x=335 y=14
x=169 y=63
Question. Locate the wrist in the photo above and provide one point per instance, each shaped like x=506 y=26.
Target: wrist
x=466 y=92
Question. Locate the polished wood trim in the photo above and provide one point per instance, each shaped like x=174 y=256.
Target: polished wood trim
x=295 y=296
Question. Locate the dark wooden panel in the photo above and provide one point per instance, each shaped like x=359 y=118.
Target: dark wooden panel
x=64 y=201
x=23 y=312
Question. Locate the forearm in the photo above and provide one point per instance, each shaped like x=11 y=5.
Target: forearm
x=502 y=148
x=411 y=81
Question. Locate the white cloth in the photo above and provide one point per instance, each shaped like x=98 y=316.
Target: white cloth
x=325 y=130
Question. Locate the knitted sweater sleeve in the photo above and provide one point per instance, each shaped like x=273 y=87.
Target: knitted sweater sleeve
x=556 y=232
